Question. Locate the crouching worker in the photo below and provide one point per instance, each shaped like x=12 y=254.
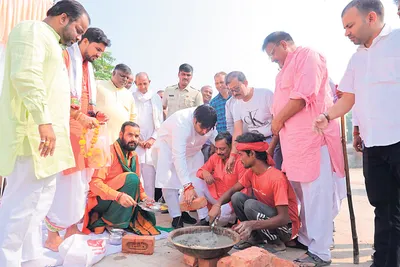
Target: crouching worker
x=114 y=191
x=270 y=218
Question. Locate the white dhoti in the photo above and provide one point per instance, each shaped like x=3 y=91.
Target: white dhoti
x=69 y=202
x=227 y=215
x=148 y=179
x=167 y=179
x=339 y=193
x=25 y=203
x=316 y=200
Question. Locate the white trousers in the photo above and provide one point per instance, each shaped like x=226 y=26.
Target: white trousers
x=339 y=193
x=227 y=215
x=148 y=173
x=171 y=197
x=25 y=203
x=316 y=199
x=69 y=202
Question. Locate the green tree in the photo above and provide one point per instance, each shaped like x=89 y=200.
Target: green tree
x=104 y=66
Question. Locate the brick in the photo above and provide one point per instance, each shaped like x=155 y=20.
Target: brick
x=251 y=257
x=138 y=244
x=278 y=262
x=225 y=262
x=208 y=262
x=190 y=261
x=198 y=203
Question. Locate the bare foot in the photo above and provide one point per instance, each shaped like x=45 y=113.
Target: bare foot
x=53 y=241
x=72 y=230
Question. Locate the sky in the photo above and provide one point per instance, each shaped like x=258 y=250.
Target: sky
x=156 y=36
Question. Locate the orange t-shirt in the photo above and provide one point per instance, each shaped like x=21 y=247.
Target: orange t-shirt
x=273 y=189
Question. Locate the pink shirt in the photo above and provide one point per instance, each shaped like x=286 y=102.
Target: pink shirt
x=305 y=76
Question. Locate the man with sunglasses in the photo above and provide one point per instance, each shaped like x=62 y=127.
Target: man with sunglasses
x=177 y=157
x=302 y=92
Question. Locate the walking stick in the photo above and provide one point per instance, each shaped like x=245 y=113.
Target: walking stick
x=356 y=251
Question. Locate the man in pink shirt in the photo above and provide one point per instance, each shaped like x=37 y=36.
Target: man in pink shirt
x=302 y=92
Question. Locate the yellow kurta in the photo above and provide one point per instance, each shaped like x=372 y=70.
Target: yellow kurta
x=35 y=91
x=118 y=104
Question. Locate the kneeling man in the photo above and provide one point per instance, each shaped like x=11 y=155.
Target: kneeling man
x=218 y=179
x=271 y=215
x=116 y=190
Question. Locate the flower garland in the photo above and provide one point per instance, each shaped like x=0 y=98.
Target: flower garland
x=82 y=142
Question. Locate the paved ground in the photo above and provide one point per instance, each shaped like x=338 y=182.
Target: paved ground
x=166 y=256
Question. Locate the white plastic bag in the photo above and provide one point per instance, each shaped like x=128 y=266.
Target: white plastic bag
x=82 y=250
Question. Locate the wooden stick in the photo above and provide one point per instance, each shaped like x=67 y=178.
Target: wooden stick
x=356 y=251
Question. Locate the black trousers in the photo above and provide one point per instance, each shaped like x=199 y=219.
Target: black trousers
x=382 y=181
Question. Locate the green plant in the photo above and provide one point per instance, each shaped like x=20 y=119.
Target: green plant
x=104 y=66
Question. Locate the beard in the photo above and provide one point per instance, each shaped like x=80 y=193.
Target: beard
x=87 y=58
x=131 y=146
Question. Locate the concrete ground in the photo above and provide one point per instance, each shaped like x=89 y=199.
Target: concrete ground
x=166 y=255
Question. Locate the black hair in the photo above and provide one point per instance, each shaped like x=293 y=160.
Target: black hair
x=206 y=116
x=235 y=74
x=224 y=136
x=124 y=68
x=186 y=68
x=96 y=35
x=253 y=137
x=72 y=8
x=276 y=38
x=366 y=6
x=129 y=123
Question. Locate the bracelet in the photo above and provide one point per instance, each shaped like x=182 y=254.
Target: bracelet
x=356 y=133
x=189 y=187
x=118 y=197
x=326 y=116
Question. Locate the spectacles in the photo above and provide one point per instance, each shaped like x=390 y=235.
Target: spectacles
x=271 y=54
x=235 y=90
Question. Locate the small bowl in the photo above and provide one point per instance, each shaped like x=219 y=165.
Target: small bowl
x=115 y=237
x=204 y=253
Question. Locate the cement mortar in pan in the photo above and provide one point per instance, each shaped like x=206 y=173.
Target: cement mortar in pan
x=203 y=240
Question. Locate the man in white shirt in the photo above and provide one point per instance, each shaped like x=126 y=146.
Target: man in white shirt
x=251 y=110
x=372 y=83
x=178 y=156
x=149 y=117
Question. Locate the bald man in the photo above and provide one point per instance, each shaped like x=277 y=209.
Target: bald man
x=150 y=116
x=206 y=92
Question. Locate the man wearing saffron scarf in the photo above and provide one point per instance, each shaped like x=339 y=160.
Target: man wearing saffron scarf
x=69 y=201
x=271 y=215
x=115 y=191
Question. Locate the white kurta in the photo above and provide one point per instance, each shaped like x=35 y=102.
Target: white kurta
x=176 y=148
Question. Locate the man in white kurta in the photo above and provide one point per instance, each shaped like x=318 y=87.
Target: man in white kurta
x=116 y=101
x=178 y=156
x=149 y=116
x=34 y=119
x=69 y=202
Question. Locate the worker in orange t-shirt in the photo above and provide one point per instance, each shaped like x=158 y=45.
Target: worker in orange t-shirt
x=270 y=217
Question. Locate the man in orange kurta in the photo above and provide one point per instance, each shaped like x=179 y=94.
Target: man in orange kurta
x=70 y=198
x=114 y=191
x=218 y=180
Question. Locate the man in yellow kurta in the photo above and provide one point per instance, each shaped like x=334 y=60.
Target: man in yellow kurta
x=114 y=100
x=34 y=119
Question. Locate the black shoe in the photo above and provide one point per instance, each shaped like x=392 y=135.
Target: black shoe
x=164 y=211
x=186 y=218
x=203 y=222
x=177 y=222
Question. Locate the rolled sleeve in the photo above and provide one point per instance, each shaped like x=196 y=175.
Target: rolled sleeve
x=347 y=82
x=28 y=56
x=309 y=73
x=208 y=166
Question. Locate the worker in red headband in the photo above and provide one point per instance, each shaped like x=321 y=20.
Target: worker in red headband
x=270 y=217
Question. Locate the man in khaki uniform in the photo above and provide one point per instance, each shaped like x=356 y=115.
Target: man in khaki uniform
x=182 y=95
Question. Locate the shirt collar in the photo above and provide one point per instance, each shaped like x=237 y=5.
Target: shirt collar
x=386 y=30
x=186 y=88
x=118 y=89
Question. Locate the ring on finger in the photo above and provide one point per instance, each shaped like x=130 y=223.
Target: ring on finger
x=47 y=143
x=42 y=141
